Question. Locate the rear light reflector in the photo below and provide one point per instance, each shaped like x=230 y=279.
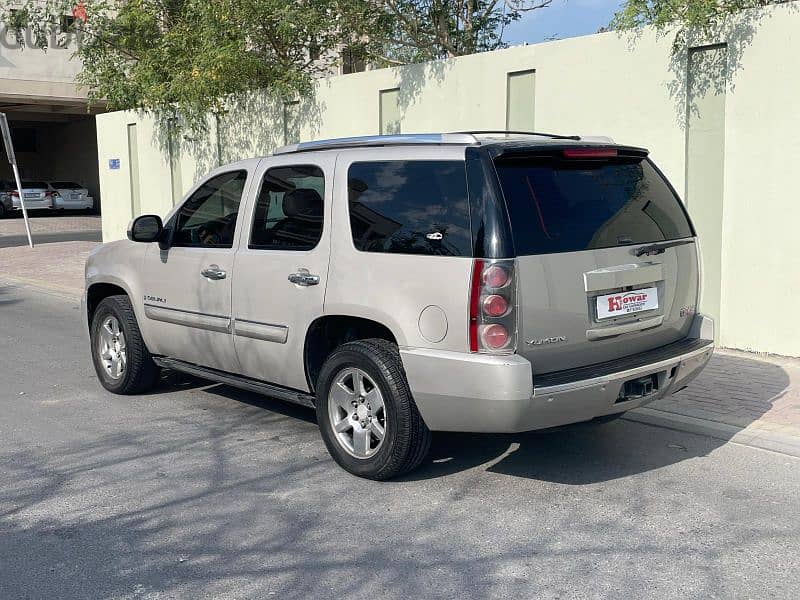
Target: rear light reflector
x=494 y=336
x=495 y=277
x=492 y=307
x=590 y=152
x=495 y=306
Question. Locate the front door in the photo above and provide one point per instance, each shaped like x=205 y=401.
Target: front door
x=187 y=287
x=282 y=268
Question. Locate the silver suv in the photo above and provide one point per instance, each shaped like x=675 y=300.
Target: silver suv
x=414 y=283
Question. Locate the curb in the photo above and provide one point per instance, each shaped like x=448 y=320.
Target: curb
x=775 y=441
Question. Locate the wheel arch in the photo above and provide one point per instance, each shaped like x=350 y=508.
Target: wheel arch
x=328 y=332
x=98 y=291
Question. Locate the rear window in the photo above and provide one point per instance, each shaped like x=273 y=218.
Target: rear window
x=66 y=185
x=561 y=205
x=410 y=207
x=33 y=185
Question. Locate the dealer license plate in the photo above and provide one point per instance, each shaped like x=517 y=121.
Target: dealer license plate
x=626 y=303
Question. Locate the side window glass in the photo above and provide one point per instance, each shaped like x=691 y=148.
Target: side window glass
x=410 y=207
x=289 y=211
x=208 y=218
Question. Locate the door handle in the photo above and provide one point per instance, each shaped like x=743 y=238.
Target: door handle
x=303 y=277
x=213 y=272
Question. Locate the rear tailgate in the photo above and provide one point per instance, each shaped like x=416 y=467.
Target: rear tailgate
x=606 y=256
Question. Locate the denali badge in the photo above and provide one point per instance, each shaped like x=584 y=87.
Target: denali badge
x=548 y=340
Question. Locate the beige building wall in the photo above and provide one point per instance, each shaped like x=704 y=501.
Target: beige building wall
x=631 y=89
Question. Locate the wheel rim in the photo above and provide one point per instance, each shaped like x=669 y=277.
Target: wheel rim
x=357 y=413
x=111 y=348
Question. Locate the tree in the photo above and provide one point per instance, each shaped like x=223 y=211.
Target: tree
x=189 y=56
x=410 y=31
x=702 y=17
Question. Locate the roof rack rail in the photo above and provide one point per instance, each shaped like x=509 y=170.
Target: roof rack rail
x=381 y=140
x=555 y=136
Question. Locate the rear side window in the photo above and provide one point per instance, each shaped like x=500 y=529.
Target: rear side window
x=562 y=205
x=289 y=211
x=410 y=207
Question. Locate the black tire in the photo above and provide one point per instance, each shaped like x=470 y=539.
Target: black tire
x=407 y=438
x=2 y=211
x=140 y=373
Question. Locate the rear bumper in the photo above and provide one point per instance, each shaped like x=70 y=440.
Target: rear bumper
x=69 y=204
x=472 y=392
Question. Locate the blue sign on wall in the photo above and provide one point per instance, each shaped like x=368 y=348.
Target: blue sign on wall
x=113 y=163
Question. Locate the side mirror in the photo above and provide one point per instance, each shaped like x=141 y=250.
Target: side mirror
x=147 y=228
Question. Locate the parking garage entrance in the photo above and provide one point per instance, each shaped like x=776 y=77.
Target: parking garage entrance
x=53 y=143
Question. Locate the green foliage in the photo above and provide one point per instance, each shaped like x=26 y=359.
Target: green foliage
x=185 y=59
x=702 y=17
x=410 y=31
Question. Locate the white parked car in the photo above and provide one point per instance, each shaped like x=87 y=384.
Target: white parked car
x=68 y=195
x=37 y=194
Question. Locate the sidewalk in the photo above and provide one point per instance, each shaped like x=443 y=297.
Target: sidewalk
x=741 y=397
x=56 y=267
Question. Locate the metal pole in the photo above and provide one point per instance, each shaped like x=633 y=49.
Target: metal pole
x=5 y=131
x=22 y=204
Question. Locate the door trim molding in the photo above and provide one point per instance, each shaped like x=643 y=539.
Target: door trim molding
x=187 y=318
x=261 y=331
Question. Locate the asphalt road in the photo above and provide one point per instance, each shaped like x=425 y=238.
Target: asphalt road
x=203 y=491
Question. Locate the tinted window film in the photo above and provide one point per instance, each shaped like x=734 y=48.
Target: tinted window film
x=410 y=207
x=208 y=217
x=566 y=205
x=289 y=211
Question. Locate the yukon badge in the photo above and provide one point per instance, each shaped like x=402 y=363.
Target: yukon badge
x=548 y=340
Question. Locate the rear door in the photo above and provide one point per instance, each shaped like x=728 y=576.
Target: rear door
x=607 y=260
x=282 y=266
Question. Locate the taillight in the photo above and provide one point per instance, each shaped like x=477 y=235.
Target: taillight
x=15 y=193
x=492 y=307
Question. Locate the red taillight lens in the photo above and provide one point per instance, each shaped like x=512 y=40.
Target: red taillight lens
x=494 y=336
x=495 y=306
x=495 y=277
x=15 y=193
x=590 y=152
x=492 y=319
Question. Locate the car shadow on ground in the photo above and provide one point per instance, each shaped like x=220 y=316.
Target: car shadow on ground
x=577 y=454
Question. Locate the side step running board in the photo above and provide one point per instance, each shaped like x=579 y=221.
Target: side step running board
x=245 y=383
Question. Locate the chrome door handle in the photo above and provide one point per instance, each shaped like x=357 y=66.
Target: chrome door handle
x=213 y=272
x=304 y=278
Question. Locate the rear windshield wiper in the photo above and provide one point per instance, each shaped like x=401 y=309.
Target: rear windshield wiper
x=659 y=247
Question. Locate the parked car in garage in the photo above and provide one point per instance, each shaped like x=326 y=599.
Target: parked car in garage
x=68 y=195
x=37 y=195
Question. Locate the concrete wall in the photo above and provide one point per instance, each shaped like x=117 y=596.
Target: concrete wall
x=632 y=89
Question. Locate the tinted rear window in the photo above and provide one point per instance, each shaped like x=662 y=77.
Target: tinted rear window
x=564 y=206
x=34 y=185
x=65 y=185
x=410 y=207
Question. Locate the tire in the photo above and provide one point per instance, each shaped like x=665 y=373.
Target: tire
x=139 y=373
x=406 y=439
x=2 y=211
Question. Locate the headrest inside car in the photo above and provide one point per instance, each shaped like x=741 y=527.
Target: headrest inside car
x=303 y=204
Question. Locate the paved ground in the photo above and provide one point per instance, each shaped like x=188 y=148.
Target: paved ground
x=48 y=229
x=742 y=397
x=207 y=492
